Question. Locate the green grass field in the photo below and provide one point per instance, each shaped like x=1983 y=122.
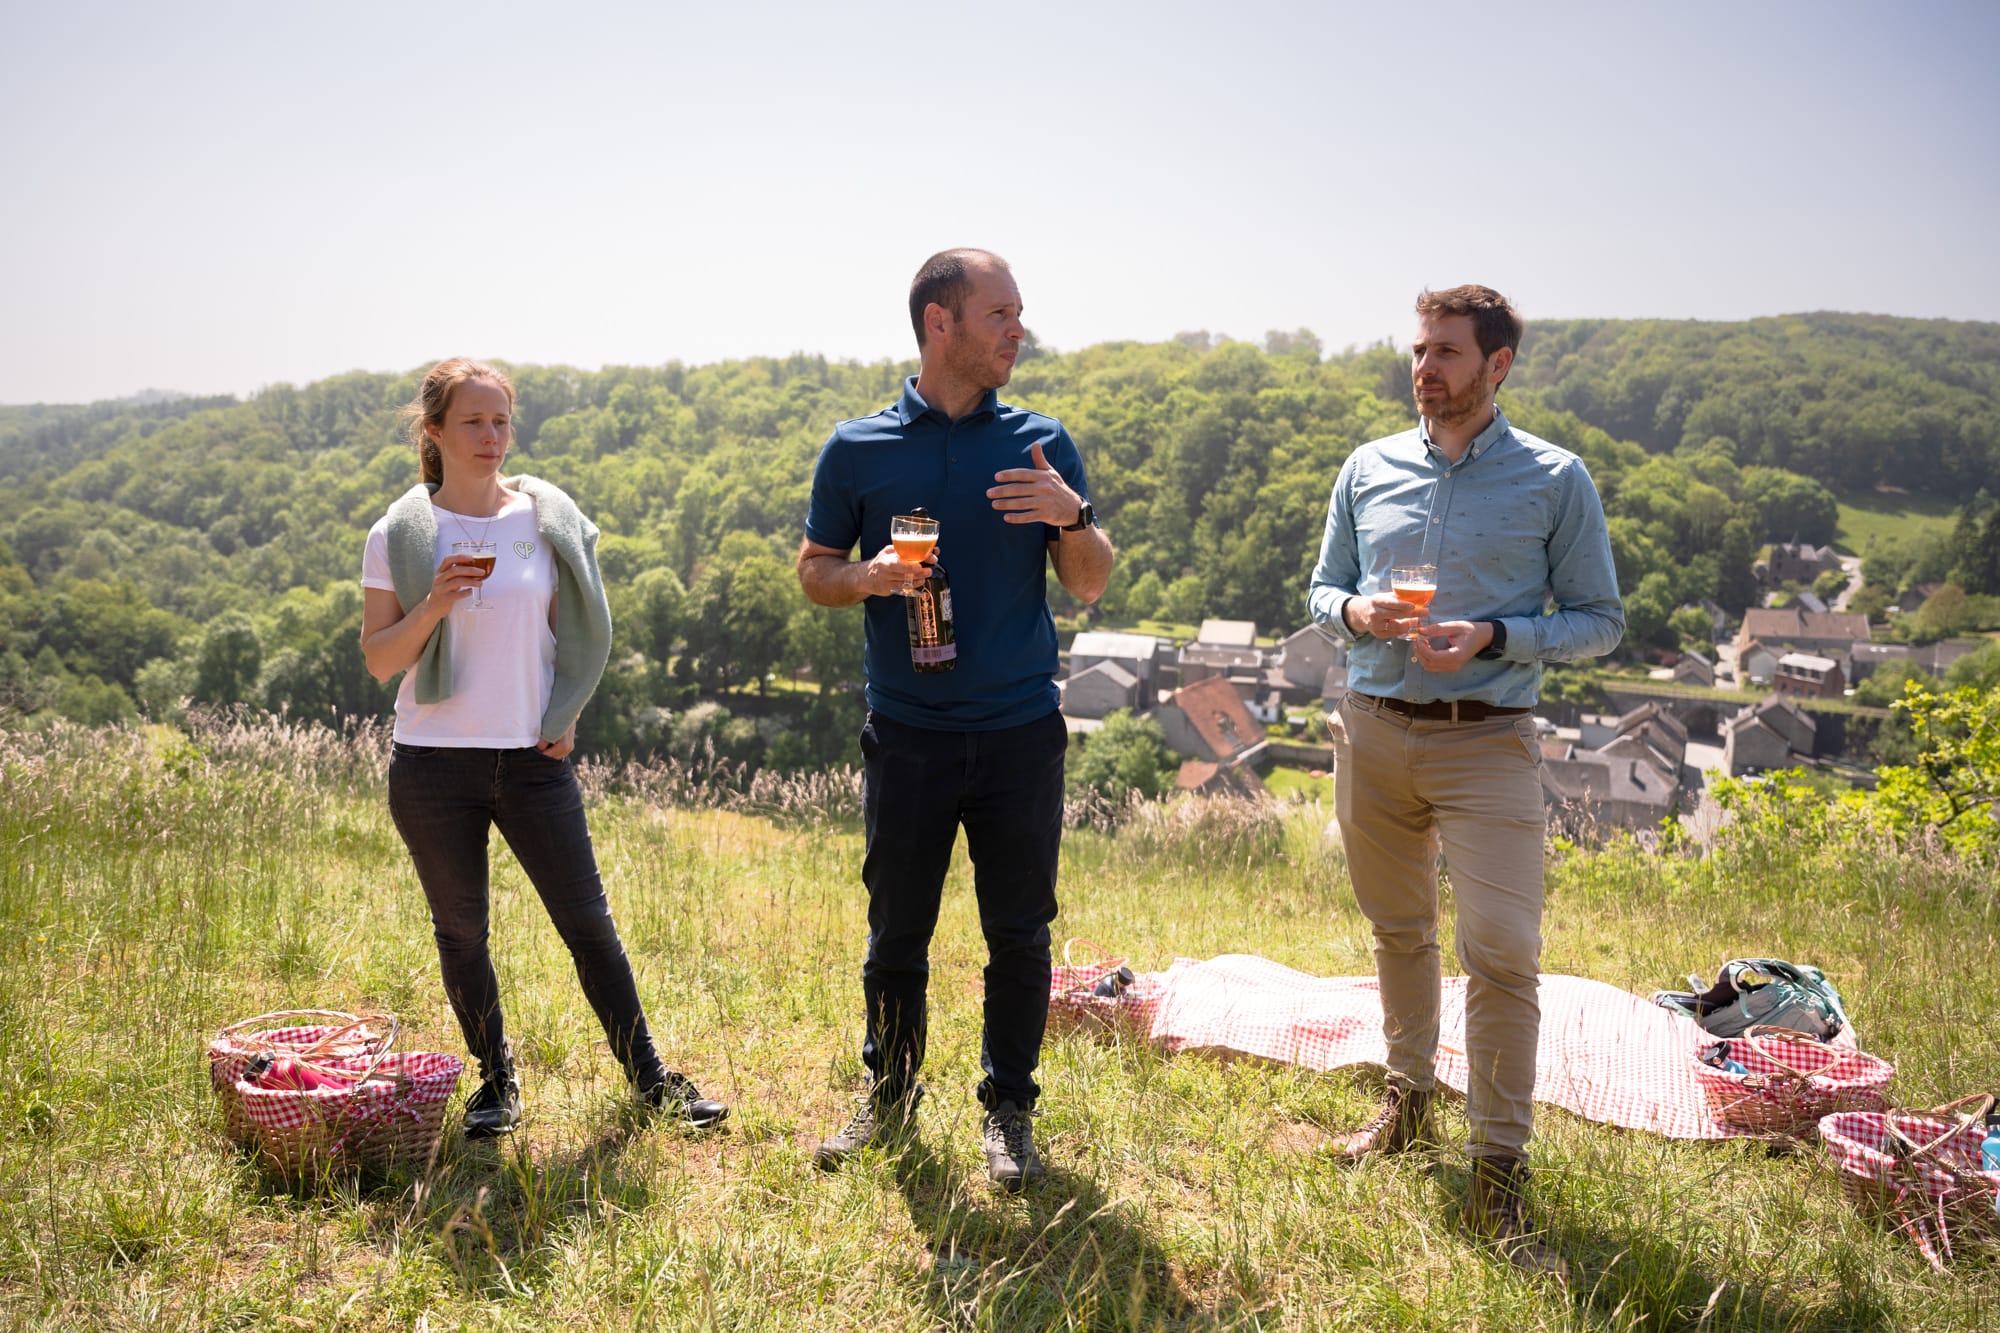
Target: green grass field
x=154 y=888
x=1901 y=518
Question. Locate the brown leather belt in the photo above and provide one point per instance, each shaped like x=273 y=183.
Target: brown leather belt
x=1444 y=710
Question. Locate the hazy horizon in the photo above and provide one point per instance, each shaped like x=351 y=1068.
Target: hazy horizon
x=212 y=204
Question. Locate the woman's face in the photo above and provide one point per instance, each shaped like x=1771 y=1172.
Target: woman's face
x=478 y=428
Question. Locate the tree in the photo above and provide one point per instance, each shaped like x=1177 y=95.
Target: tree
x=1790 y=507
x=1978 y=669
x=1955 y=781
x=1128 y=753
x=1184 y=600
x=226 y=665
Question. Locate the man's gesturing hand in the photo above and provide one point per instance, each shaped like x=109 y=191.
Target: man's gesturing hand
x=1035 y=494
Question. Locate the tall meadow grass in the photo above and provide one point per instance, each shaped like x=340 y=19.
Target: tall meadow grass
x=157 y=884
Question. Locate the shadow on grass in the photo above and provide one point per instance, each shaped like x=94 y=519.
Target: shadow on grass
x=1619 y=1280
x=1060 y=1254
x=491 y=1204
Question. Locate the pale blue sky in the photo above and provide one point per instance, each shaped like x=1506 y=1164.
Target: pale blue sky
x=213 y=197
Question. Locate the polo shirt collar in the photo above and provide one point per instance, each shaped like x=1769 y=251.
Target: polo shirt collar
x=1495 y=430
x=911 y=406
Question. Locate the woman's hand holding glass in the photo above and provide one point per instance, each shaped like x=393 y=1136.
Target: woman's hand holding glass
x=458 y=577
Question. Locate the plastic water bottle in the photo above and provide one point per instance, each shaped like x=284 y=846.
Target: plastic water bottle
x=1112 y=984
x=1989 y=1152
x=1718 y=1057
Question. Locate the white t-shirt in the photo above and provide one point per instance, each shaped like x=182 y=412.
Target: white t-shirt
x=503 y=659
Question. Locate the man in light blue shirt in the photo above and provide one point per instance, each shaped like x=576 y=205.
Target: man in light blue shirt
x=1435 y=747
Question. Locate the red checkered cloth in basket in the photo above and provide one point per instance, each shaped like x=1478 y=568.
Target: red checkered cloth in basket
x=227 y=1059
x=1604 y=1054
x=402 y=1086
x=1919 y=1194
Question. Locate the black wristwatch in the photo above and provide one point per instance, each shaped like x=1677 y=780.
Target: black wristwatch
x=1086 y=517
x=1491 y=652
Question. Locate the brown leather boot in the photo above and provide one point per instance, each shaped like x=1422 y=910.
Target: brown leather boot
x=1403 y=1123
x=1497 y=1211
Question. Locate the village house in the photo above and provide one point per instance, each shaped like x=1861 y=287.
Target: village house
x=1099 y=690
x=1208 y=721
x=1755 y=663
x=1306 y=660
x=1806 y=676
x=1770 y=734
x=1796 y=562
x=1141 y=656
x=1694 y=669
x=1792 y=630
x=1629 y=773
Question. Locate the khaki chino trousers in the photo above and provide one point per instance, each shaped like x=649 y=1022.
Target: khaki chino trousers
x=1404 y=790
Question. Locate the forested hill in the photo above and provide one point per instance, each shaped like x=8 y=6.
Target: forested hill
x=150 y=550
x=1852 y=401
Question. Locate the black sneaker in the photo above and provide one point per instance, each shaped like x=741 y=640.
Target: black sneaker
x=876 y=1120
x=1009 y=1139
x=676 y=1091
x=495 y=1105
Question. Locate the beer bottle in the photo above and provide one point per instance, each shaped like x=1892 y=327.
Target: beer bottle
x=933 y=643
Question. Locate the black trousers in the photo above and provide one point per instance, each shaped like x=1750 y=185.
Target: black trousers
x=444 y=802
x=1006 y=789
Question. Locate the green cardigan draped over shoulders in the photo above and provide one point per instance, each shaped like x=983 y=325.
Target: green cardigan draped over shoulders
x=583 y=614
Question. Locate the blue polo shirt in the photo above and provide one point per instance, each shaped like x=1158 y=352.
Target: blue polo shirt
x=909 y=456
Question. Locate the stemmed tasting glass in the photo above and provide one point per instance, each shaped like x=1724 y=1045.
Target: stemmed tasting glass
x=1416 y=584
x=482 y=554
x=913 y=536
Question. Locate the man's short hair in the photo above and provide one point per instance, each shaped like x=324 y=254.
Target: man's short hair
x=946 y=280
x=1495 y=323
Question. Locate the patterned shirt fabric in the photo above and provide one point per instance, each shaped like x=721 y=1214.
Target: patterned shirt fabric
x=1517 y=533
x=1604 y=1054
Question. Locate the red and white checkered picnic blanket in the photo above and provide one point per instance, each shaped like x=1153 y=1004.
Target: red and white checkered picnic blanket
x=1604 y=1054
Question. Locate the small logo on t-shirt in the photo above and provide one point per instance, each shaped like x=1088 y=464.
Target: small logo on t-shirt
x=524 y=549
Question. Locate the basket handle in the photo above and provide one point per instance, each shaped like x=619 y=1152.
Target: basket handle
x=1107 y=961
x=1753 y=1038
x=1981 y=1103
x=395 y=1025
x=342 y=1015
x=341 y=1033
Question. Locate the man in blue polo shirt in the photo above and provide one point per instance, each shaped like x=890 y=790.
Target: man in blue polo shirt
x=1434 y=742
x=980 y=745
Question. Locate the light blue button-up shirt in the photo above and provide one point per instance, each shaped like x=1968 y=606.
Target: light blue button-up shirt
x=1517 y=533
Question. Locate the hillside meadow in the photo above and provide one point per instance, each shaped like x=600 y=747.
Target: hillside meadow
x=157 y=884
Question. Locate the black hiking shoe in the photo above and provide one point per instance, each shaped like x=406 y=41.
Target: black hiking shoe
x=676 y=1092
x=495 y=1105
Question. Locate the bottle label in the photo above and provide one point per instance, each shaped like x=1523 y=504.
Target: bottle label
x=941 y=652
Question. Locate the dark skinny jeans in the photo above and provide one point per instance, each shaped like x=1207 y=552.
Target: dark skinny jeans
x=1006 y=789
x=444 y=800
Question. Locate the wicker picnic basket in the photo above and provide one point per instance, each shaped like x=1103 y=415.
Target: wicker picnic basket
x=337 y=1040
x=388 y=1114
x=1073 y=988
x=1791 y=1081
x=1920 y=1169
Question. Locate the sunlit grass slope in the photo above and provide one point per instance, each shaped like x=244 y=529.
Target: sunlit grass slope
x=154 y=887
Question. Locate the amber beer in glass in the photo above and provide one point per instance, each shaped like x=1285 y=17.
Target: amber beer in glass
x=481 y=555
x=913 y=535
x=1415 y=584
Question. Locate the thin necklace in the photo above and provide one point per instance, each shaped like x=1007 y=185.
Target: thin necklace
x=484 y=528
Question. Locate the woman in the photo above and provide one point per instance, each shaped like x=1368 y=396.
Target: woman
x=501 y=641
